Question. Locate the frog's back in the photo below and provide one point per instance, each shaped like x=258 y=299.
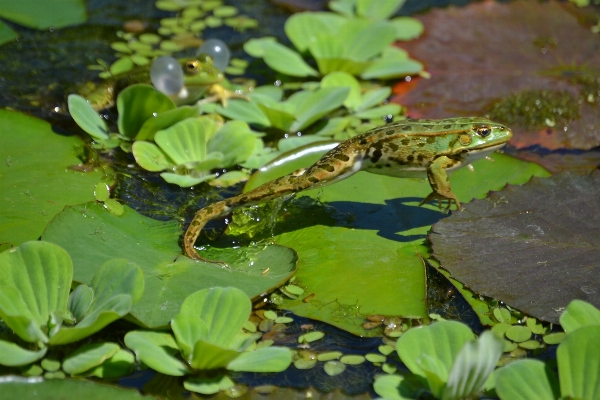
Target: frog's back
x=407 y=148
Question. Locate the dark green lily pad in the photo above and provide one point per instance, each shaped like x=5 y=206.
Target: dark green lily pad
x=362 y=254
x=35 y=183
x=535 y=247
x=45 y=14
x=17 y=387
x=91 y=235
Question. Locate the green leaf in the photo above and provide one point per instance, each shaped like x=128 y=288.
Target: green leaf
x=207 y=355
x=6 y=34
x=186 y=180
x=527 y=379
x=472 y=367
x=578 y=358
x=93 y=236
x=157 y=350
x=12 y=355
x=17 y=387
x=206 y=385
x=374 y=97
x=165 y=120
x=89 y=356
x=45 y=14
x=40 y=274
x=318 y=104
x=579 y=314
x=392 y=387
x=344 y=79
x=379 y=112
x=117 y=366
x=117 y=285
x=407 y=28
x=138 y=103
x=235 y=141
x=279 y=57
x=302 y=28
x=435 y=372
x=188 y=329
x=87 y=118
x=212 y=305
x=442 y=341
x=363 y=40
x=393 y=63
x=183 y=142
x=266 y=359
x=379 y=10
x=80 y=301
x=151 y=157
x=35 y=188
x=241 y=110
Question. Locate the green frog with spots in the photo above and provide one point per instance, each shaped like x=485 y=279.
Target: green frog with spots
x=405 y=149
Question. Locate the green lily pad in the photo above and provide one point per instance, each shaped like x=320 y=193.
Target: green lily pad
x=91 y=235
x=522 y=261
x=44 y=15
x=34 y=178
x=17 y=387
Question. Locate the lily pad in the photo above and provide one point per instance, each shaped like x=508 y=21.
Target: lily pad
x=350 y=250
x=34 y=178
x=514 y=48
x=17 y=387
x=533 y=246
x=91 y=235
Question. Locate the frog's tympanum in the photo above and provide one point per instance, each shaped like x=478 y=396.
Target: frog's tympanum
x=406 y=149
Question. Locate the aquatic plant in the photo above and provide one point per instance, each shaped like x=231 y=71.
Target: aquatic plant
x=36 y=305
x=208 y=338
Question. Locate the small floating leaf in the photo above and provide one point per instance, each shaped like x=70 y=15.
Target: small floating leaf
x=311 y=337
x=352 y=359
x=333 y=368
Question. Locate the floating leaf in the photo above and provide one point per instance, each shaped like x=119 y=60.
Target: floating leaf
x=44 y=15
x=35 y=188
x=12 y=355
x=91 y=235
x=333 y=368
x=579 y=314
x=157 y=350
x=89 y=356
x=578 y=358
x=138 y=103
x=527 y=379
x=520 y=263
x=87 y=118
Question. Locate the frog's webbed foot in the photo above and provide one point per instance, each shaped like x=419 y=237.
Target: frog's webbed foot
x=221 y=94
x=449 y=197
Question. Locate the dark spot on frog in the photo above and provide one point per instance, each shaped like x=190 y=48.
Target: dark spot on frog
x=420 y=157
x=446 y=126
x=393 y=146
x=410 y=158
x=421 y=144
x=327 y=167
x=363 y=142
x=341 y=157
x=243 y=199
x=388 y=165
x=390 y=132
x=405 y=142
x=407 y=128
x=313 y=179
x=376 y=155
x=431 y=139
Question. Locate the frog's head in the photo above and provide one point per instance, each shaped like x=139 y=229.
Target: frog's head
x=479 y=137
x=200 y=71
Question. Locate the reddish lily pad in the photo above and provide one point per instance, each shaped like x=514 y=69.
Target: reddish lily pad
x=535 y=247
x=517 y=53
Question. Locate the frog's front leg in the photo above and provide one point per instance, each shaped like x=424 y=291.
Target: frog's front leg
x=439 y=181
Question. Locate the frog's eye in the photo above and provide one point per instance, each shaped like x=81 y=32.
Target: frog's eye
x=191 y=67
x=483 y=130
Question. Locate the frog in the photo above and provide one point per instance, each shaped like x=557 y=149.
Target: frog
x=200 y=77
x=412 y=148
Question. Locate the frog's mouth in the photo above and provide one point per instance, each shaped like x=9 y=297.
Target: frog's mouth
x=480 y=152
